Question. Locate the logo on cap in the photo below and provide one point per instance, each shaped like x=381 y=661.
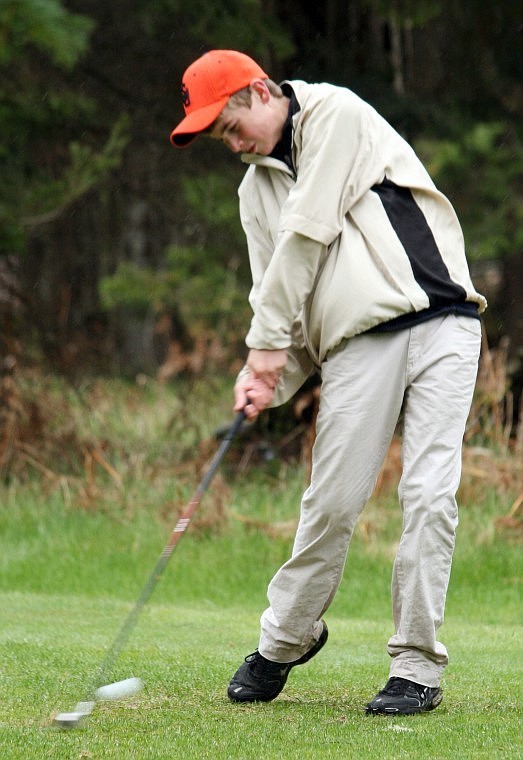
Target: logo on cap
x=186 y=100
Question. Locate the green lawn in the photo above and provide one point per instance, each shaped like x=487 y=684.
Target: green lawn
x=69 y=577
x=186 y=655
x=79 y=537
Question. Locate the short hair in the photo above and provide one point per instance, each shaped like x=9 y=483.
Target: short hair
x=243 y=97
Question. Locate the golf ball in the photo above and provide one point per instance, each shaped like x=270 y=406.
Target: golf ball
x=120 y=689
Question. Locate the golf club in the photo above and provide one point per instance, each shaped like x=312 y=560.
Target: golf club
x=132 y=685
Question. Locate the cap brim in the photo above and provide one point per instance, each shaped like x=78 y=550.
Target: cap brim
x=194 y=123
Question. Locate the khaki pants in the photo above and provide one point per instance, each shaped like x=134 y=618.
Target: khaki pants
x=428 y=372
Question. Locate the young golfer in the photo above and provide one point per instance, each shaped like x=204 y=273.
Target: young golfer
x=359 y=272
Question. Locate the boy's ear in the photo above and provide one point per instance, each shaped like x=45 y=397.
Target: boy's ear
x=259 y=87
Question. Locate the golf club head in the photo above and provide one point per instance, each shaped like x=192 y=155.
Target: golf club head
x=117 y=690
x=75 y=718
x=129 y=686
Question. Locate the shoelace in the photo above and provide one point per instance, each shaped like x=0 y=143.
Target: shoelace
x=254 y=661
x=262 y=667
x=398 y=686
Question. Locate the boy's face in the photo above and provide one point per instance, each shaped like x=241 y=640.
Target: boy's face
x=256 y=129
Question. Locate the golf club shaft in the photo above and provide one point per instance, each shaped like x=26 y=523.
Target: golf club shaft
x=176 y=534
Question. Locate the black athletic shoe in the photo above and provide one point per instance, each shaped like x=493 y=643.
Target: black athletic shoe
x=260 y=680
x=402 y=697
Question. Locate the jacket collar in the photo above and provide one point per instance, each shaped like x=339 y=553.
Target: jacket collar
x=282 y=152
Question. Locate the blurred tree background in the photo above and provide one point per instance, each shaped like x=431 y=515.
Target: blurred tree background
x=121 y=254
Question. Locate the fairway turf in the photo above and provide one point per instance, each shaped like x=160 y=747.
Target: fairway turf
x=67 y=584
x=72 y=564
x=186 y=655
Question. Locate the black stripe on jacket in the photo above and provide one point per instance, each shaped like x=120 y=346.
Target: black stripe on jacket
x=415 y=235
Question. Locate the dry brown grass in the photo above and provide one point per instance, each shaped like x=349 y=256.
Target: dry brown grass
x=493 y=449
x=40 y=441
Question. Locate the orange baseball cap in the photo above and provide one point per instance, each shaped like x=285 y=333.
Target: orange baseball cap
x=207 y=85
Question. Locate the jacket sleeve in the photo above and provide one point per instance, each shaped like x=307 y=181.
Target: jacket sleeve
x=299 y=364
x=287 y=281
x=338 y=161
x=339 y=158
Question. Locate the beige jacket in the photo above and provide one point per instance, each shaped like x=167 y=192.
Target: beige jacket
x=328 y=261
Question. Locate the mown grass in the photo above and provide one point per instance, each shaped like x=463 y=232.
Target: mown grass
x=73 y=560
x=186 y=655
